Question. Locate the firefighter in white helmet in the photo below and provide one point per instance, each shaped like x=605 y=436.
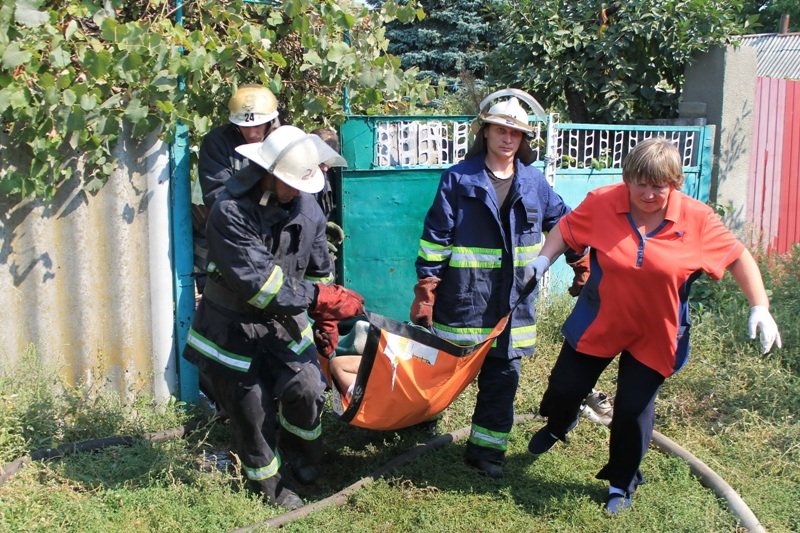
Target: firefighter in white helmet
x=251 y=337
x=480 y=237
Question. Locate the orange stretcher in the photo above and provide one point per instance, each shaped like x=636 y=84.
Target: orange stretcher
x=408 y=375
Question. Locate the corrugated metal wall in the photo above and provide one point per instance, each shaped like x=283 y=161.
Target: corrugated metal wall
x=773 y=198
x=86 y=279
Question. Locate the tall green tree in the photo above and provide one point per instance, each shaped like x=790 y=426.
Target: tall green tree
x=770 y=11
x=610 y=62
x=74 y=74
x=449 y=44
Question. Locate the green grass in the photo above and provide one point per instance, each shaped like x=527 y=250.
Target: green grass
x=733 y=408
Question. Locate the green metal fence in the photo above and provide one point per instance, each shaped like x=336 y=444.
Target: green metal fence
x=394 y=168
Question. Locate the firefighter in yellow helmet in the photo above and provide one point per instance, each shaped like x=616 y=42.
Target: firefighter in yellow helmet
x=253 y=115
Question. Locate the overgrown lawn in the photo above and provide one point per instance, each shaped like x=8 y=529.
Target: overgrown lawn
x=733 y=408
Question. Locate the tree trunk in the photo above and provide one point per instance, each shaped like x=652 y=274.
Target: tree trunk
x=576 y=104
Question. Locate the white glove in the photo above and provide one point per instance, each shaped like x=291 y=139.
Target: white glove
x=761 y=319
x=540 y=266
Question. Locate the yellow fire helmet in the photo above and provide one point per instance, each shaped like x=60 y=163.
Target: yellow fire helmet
x=252 y=105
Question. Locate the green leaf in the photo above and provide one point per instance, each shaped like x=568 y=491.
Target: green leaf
x=14 y=56
x=72 y=27
x=98 y=63
x=88 y=102
x=5 y=100
x=19 y=99
x=69 y=97
x=135 y=111
x=59 y=58
x=27 y=14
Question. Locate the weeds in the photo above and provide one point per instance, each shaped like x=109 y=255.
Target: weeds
x=732 y=407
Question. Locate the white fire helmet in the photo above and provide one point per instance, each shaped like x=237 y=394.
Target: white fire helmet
x=294 y=156
x=252 y=105
x=507 y=113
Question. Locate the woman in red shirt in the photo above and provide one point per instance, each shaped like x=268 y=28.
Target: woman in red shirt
x=648 y=243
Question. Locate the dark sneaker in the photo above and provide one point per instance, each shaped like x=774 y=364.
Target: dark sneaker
x=541 y=441
x=486 y=468
x=617 y=502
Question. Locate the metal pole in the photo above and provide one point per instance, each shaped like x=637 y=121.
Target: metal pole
x=182 y=250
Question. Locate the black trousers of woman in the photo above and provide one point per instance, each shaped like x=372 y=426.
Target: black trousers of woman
x=572 y=379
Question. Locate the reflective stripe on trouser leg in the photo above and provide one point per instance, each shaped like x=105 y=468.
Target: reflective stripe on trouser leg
x=487 y=438
x=252 y=423
x=264 y=472
x=301 y=400
x=494 y=409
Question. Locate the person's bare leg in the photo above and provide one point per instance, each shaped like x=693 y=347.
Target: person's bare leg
x=344 y=369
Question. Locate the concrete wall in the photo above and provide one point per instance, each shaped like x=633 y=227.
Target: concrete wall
x=720 y=87
x=86 y=279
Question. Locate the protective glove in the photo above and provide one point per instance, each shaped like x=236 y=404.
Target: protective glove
x=580 y=268
x=540 y=266
x=326 y=336
x=332 y=251
x=334 y=302
x=424 y=298
x=334 y=233
x=761 y=319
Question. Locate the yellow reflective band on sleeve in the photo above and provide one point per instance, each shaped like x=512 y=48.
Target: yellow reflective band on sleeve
x=430 y=251
x=461 y=336
x=487 y=438
x=264 y=472
x=523 y=255
x=325 y=280
x=467 y=257
x=306 y=341
x=523 y=336
x=305 y=434
x=270 y=288
x=212 y=351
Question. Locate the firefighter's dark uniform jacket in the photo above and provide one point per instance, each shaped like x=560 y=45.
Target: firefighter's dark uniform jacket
x=481 y=260
x=219 y=160
x=251 y=337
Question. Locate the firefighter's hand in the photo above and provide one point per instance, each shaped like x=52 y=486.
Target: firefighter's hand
x=761 y=320
x=580 y=269
x=334 y=233
x=326 y=336
x=334 y=302
x=424 y=298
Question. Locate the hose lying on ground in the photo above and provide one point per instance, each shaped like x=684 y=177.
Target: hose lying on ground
x=595 y=413
x=9 y=469
x=599 y=411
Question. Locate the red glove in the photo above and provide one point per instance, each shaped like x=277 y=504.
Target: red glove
x=326 y=337
x=580 y=267
x=424 y=297
x=334 y=302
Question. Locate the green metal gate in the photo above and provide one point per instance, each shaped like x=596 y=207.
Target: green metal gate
x=394 y=168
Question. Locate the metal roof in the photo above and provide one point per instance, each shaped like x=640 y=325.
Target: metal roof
x=778 y=54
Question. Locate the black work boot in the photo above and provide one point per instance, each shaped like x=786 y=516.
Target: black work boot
x=277 y=493
x=485 y=467
x=304 y=456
